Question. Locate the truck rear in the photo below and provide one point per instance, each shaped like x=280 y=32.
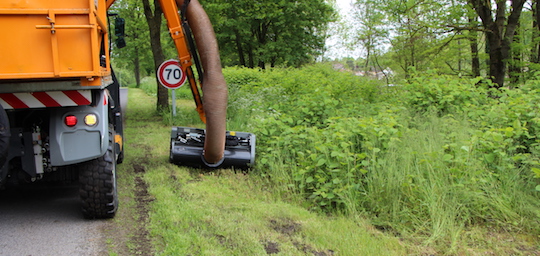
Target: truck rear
x=60 y=118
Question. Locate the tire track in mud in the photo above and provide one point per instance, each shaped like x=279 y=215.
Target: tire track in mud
x=128 y=234
x=142 y=197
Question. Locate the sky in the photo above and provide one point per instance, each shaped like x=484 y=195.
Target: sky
x=344 y=4
x=335 y=47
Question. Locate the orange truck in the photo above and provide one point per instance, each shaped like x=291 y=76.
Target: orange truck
x=60 y=117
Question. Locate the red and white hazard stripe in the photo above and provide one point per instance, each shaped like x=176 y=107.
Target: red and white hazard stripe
x=45 y=99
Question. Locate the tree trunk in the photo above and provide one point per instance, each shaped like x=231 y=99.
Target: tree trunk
x=261 y=32
x=251 y=58
x=535 y=44
x=137 y=69
x=499 y=34
x=273 y=62
x=515 y=66
x=536 y=29
x=153 y=18
x=497 y=63
x=239 y=48
x=475 y=60
x=368 y=55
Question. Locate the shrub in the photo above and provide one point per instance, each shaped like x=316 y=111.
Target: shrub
x=445 y=94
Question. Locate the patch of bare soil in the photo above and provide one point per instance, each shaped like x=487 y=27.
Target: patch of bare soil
x=290 y=230
x=271 y=247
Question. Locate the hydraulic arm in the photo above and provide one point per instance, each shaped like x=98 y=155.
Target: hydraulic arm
x=177 y=25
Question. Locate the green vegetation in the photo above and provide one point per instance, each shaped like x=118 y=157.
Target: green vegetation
x=396 y=38
x=447 y=160
x=185 y=211
x=270 y=33
x=428 y=159
x=439 y=165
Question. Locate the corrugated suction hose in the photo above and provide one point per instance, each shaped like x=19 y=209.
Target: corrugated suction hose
x=214 y=87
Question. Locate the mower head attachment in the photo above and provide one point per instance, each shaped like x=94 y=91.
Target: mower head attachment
x=187 y=146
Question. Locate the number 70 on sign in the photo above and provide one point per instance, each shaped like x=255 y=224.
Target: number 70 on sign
x=170 y=74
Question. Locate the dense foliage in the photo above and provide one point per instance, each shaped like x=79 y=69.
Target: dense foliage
x=426 y=160
x=494 y=39
x=255 y=33
x=398 y=38
x=250 y=33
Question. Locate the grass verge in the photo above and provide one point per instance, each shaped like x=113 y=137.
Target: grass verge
x=171 y=210
x=423 y=172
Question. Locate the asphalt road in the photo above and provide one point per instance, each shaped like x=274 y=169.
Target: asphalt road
x=47 y=220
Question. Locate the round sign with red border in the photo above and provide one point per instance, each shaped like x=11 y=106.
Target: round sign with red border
x=170 y=74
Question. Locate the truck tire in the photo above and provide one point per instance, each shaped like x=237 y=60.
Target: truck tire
x=97 y=179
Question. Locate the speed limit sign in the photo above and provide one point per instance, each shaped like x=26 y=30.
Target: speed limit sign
x=170 y=74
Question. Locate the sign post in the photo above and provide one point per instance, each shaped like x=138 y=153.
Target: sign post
x=171 y=76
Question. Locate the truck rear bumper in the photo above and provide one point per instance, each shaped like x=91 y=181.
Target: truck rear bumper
x=81 y=142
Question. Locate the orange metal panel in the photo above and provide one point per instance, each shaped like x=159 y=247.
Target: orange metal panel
x=24 y=49
x=53 y=39
x=44 y=4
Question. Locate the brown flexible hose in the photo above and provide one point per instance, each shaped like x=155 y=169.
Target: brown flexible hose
x=214 y=86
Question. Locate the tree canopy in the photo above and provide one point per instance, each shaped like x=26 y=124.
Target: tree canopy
x=496 y=39
x=259 y=33
x=136 y=56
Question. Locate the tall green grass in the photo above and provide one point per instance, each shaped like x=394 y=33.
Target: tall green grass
x=423 y=189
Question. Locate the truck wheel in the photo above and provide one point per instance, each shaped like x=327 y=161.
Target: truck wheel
x=97 y=179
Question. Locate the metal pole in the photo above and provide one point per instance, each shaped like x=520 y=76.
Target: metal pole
x=174 y=102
